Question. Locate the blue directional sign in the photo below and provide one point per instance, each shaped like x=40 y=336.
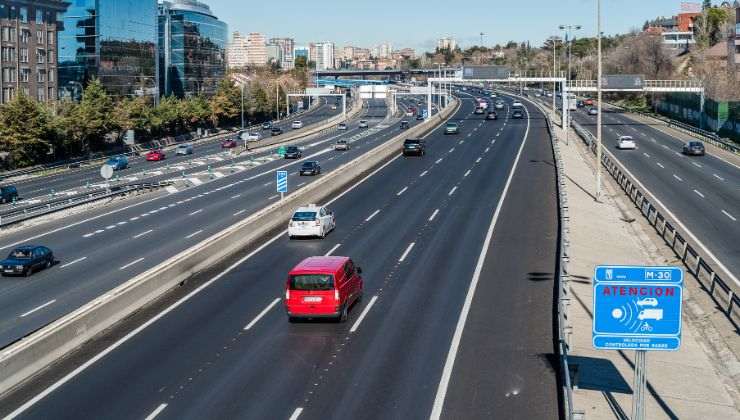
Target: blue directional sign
x=425 y=113
x=637 y=308
x=281 y=178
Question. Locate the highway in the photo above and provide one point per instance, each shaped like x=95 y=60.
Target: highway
x=456 y=320
x=701 y=191
x=77 y=179
x=102 y=248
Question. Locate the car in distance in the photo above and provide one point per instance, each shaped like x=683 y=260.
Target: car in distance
x=312 y=221
x=517 y=104
x=184 y=149
x=247 y=136
x=228 y=144
x=362 y=124
x=588 y=102
x=341 y=145
x=292 y=152
x=310 y=167
x=8 y=194
x=25 y=260
x=155 y=155
x=342 y=126
x=117 y=162
x=414 y=147
x=267 y=125
x=517 y=114
x=695 y=148
x=593 y=111
x=404 y=125
x=409 y=113
x=492 y=115
x=499 y=105
x=333 y=107
x=419 y=117
x=452 y=128
x=626 y=143
x=296 y=124
x=322 y=287
x=478 y=111
x=276 y=131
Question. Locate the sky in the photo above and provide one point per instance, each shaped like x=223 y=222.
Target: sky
x=418 y=24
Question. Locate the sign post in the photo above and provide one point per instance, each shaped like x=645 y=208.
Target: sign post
x=281 y=178
x=637 y=308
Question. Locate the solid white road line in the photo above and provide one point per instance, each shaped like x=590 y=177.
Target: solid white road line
x=406 y=252
x=156 y=411
x=678 y=178
x=142 y=234
x=296 y=413
x=372 y=215
x=433 y=215
x=261 y=314
x=699 y=194
x=466 y=173
x=444 y=381
x=334 y=248
x=73 y=262
x=131 y=263
x=403 y=190
x=195 y=212
x=357 y=323
x=729 y=215
x=423 y=173
x=452 y=191
x=42 y=306
x=194 y=233
x=239 y=212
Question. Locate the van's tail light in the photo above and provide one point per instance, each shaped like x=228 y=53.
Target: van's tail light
x=336 y=294
x=287 y=294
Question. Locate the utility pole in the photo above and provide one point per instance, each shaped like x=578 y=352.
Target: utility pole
x=242 y=113
x=554 y=82
x=598 y=105
x=277 y=100
x=569 y=42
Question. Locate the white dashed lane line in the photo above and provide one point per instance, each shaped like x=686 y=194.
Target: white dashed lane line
x=239 y=212
x=466 y=173
x=137 y=236
x=478 y=160
x=357 y=323
x=334 y=248
x=699 y=193
x=131 y=263
x=406 y=252
x=375 y=213
x=262 y=314
x=195 y=212
x=423 y=173
x=73 y=262
x=696 y=164
x=729 y=215
x=678 y=178
x=718 y=177
x=156 y=412
x=438 y=160
x=38 y=308
x=431 y=218
x=403 y=190
x=452 y=191
x=660 y=164
x=646 y=155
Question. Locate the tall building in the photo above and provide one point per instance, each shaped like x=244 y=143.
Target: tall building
x=287 y=45
x=192 y=48
x=28 y=63
x=446 y=43
x=115 y=41
x=256 y=49
x=302 y=51
x=385 y=50
x=236 y=52
x=324 y=55
x=274 y=54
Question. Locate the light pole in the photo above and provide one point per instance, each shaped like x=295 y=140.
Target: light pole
x=566 y=98
x=598 y=101
x=242 y=108
x=554 y=40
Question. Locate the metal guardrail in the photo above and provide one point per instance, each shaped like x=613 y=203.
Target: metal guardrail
x=709 y=279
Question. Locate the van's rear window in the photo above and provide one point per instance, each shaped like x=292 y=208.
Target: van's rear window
x=312 y=282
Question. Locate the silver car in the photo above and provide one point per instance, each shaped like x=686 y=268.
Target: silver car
x=184 y=149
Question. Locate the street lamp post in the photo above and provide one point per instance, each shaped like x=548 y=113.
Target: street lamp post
x=569 y=42
x=242 y=108
x=598 y=99
x=554 y=40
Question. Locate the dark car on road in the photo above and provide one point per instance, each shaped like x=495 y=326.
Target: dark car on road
x=517 y=114
x=292 y=152
x=266 y=125
x=310 y=167
x=414 y=147
x=419 y=117
x=276 y=131
x=492 y=115
x=695 y=148
x=27 y=259
x=8 y=194
x=404 y=125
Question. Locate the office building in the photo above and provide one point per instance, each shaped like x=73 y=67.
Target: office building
x=301 y=51
x=287 y=45
x=28 y=30
x=446 y=43
x=236 y=53
x=192 y=48
x=274 y=54
x=115 y=41
x=256 y=49
x=324 y=55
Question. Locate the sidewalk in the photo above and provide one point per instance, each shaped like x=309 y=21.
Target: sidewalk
x=695 y=382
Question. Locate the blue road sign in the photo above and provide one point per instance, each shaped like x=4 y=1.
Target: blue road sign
x=281 y=178
x=425 y=113
x=637 y=308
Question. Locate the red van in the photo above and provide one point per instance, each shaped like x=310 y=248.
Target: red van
x=322 y=287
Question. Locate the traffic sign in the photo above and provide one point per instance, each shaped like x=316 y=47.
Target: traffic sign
x=425 y=114
x=637 y=308
x=106 y=171
x=281 y=177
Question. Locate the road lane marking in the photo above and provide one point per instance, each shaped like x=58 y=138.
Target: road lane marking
x=133 y=219
x=403 y=190
x=42 y=306
x=261 y=314
x=718 y=177
x=195 y=212
x=646 y=155
x=300 y=185
x=433 y=215
x=142 y=234
x=438 y=160
x=478 y=160
x=121 y=223
x=699 y=194
x=132 y=263
x=372 y=215
x=334 y=248
x=156 y=412
x=357 y=323
x=296 y=413
x=452 y=150
x=696 y=164
x=73 y=262
x=194 y=233
x=729 y=215
x=487 y=149
x=452 y=191
x=423 y=173
x=678 y=178
x=236 y=196
x=406 y=252
x=664 y=146
x=87 y=235
x=239 y=212
x=466 y=173
x=660 y=164
x=272 y=197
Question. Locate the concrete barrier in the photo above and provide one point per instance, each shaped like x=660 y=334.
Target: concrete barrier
x=29 y=356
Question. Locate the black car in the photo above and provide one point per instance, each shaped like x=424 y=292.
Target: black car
x=8 y=194
x=404 y=125
x=517 y=114
x=293 y=152
x=310 y=168
x=492 y=115
x=276 y=131
x=478 y=111
x=25 y=260
x=695 y=148
x=414 y=147
x=419 y=117
x=267 y=125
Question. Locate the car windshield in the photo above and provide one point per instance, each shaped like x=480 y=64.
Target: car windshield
x=304 y=216
x=411 y=142
x=312 y=282
x=695 y=144
x=20 y=254
x=292 y=149
x=308 y=165
x=451 y=125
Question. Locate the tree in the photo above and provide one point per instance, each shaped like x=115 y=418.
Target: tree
x=300 y=62
x=710 y=26
x=195 y=111
x=260 y=103
x=93 y=118
x=25 y=131
x=133 y=114
x=225 y=103
x=165 y=118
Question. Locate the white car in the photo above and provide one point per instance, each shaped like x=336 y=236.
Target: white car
x=342 y=126
x=493 y=95
x=251 y=136
x=363 y=124
x=626 y=142
x=499 y=105
x=296 y=124
x=517 y=104
x=647 y=302
x=311 y=220
x=409 y=114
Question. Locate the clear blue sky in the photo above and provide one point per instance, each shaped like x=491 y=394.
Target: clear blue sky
x=418 y=24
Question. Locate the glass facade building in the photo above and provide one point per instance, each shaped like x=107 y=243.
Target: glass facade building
x=192 y=48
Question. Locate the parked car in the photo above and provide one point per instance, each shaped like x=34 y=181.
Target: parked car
x=8 y=194
x=362 y=124
x=184 y=149
x=404 y=125
x=296 y=124
x=695 y=148
x=492 y=115
x=27 y=259
x=414 y=147
x=118 y=162
x=452 y=128
x=341 y=145
x=292 y=152
x=322 y=287
x=310 y=167
x=626 y=143
x=342 y=126
x=155 y=155
x=228 y=144
x=311 y=220
x=276 y=131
